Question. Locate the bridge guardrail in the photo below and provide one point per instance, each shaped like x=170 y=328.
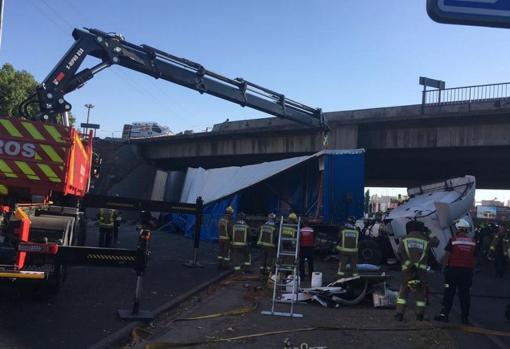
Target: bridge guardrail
x=466 y=94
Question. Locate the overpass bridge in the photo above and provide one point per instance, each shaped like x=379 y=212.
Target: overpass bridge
x=405 y=145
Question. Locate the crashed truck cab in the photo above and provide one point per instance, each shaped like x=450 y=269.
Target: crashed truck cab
x=438 y=206
x=42 y=167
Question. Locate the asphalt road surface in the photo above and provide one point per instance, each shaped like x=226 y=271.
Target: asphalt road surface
x=84 y=311
x=490 y=295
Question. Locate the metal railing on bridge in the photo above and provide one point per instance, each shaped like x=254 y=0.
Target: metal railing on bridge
x=466 y=94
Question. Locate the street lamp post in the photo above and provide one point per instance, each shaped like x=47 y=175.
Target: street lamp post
x=88 y=106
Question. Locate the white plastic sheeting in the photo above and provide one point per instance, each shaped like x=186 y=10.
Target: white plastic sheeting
x=217 y=183
x=214 y=184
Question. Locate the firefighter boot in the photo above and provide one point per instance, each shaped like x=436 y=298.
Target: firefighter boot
x=441 y=317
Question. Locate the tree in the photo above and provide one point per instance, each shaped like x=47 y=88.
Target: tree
x=15 y=87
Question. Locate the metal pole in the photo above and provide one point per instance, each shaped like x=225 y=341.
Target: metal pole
x=138 y=294
x=1 y=20
x=423 y=99
x=88 y=106
x=142 y=252
x=194 y=263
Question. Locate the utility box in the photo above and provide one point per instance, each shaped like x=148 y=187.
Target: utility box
x=38 y=158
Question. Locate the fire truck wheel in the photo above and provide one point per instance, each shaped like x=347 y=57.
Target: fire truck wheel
x=51 y=286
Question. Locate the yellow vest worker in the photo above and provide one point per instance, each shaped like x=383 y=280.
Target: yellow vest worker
x=224 y=237
x=413 y=253
x=266 y=241
x=107 y=218
x=499 y=250
x=240 y=247
x=348 y=249
x=289 y=231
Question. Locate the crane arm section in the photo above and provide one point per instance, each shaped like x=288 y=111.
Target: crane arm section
x=112 y=49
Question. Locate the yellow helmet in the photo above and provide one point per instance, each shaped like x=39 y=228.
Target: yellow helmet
x=229 y=210
x=292 y=216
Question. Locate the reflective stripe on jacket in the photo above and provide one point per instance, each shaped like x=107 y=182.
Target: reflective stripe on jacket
x=289 y=230
x=463 y=252
x=107 y=218
x=223 y=228
x=415 y=251
x=348 y=240
x=240 y=234
x=306 y=238
x=266 y=235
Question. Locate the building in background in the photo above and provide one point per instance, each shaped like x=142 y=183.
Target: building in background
x=384 y=203
x=495 y=202
x=145 y=130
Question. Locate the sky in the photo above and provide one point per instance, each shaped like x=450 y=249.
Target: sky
x=337 y=55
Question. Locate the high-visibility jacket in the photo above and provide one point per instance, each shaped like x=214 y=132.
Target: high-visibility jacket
x=225 y=228
x=107 y=218
x=502 y=238
x=348 y=241
x=414 y=250
x=462 y=252
x=289 y=230
x=240 y=234
x=306 y=237
x=266 y=235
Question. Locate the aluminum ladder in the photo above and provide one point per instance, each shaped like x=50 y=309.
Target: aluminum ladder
x=280 y=284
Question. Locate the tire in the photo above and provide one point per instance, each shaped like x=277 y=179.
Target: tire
x=370 y=252
x=50 y=287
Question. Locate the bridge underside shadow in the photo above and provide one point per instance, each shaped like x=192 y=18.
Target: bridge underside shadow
x=393 y=167
x=410 y=167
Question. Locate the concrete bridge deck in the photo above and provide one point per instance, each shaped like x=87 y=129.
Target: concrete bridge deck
x=404 y=145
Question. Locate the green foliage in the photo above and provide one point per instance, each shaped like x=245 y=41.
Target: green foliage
x=15 y=87
x=72 y=119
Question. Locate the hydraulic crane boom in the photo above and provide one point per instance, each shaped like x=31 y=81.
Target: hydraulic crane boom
x=113 y=49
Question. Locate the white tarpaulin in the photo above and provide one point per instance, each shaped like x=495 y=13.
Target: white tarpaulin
x=214 y=184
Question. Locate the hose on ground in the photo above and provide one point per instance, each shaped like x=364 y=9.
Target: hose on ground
x=463 y=328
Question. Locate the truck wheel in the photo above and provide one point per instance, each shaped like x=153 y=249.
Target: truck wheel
x=49 y=288
x=370 y=252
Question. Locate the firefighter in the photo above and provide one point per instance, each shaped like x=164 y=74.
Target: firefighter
x=498 y=251
x=225 y=237
x=459 y=262
x=266 y=241
x=107 y=219
x=347 y=248
x=240 y=248
x=413 y=252
x=289 y=231
x=116 y=225
x=306 y=250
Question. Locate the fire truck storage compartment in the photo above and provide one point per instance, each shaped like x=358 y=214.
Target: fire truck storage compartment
x=38 y=157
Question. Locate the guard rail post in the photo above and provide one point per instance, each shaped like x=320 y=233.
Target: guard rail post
x=194 y=263
x=142 y=259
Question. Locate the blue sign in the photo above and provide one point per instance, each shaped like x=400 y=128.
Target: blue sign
x=489 y=13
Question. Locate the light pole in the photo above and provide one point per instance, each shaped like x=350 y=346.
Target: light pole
x=88 y=106
x=1 y=19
